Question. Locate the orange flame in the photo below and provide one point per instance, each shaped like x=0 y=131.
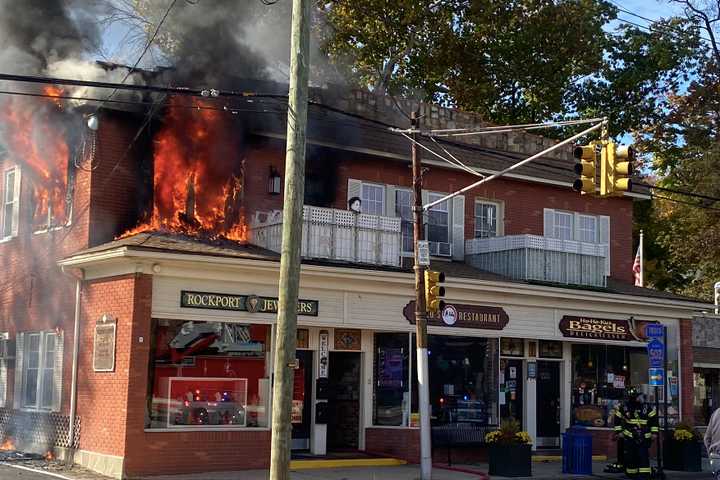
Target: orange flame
x=8 y=444
x=49 y=456
x=34 y=141
x=198 y=176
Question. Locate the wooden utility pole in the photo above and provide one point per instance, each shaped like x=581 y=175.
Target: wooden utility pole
x=420 y=311
x=286 y=336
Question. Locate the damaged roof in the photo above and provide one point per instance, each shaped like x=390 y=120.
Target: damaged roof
x=163 y=242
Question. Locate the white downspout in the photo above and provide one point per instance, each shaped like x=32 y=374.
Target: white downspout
x=75 y=352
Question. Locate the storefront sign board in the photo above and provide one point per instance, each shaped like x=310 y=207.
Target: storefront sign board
x=242 y=303
x=464 y=316
x=348 y=339
x=597 y=328
x=532 y=370
x=104 y=347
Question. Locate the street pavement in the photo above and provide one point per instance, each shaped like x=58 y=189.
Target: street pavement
x=541 y=471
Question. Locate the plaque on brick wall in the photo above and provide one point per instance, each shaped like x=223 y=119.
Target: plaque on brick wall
x=104 y=345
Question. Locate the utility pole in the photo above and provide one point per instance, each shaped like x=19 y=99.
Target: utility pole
x=286 y=336
x=420 y=311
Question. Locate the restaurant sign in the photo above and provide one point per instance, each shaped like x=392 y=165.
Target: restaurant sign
x=599 y=328
x=464 y=316
x=242 y=303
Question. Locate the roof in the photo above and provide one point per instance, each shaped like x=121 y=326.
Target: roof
x=163 y=242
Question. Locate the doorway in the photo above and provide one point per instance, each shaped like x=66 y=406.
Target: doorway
x=511 y=390
x=548 y=404
x=343 y=425
x=302 y=401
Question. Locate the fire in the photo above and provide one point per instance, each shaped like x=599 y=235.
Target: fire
x=8 y=444
x=49 y=456
x=34 y=139
x=54 y=92
x=198 y=179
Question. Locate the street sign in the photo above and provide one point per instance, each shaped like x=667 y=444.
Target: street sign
x=423 y=252
x=656 y=377
x=655 y=330
x=656 y=353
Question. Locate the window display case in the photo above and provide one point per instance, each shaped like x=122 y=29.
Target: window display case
x=207 y=401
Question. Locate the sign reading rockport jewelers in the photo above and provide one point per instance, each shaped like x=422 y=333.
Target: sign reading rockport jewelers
x=242 y=303
x=464 y=316
x=599 y=328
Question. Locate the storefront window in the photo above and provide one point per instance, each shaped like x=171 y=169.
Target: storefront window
x=391 y=397
x=601 y=376
x=209 y=374
x=463 y=379
x=706 y=394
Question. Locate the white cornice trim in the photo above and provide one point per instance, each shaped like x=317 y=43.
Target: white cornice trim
x=122 y=255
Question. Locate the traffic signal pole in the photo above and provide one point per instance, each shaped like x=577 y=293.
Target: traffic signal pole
x=420 y=312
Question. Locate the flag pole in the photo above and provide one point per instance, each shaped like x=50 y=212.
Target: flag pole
x=642 y=260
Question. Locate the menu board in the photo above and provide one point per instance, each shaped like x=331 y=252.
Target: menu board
x=390 y=368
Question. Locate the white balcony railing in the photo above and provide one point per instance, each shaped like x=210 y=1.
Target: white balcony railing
x=534 y=257
x=335 y=235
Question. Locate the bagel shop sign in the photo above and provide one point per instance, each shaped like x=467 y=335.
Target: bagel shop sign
x=242 y=303
x=601 y=328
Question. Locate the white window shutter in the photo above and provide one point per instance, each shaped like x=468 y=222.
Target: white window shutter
x=548 y=222
x=354 y=189
x=58 y=373
x=458 y=227
x=17 y=391
x=390 y=201
x=604 y=227
x=16 y=205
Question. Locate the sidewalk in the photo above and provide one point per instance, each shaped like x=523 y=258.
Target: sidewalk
x=540 y=470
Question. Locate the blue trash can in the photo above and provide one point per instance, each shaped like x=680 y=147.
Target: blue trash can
x=577 y=452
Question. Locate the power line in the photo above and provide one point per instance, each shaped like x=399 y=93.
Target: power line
x=145 y=50
x=650 y=20
x=683 y=202
x=679 y=192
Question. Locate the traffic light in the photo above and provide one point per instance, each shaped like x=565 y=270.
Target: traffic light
x=433 y=291
x=585 y=169
x=616 y=167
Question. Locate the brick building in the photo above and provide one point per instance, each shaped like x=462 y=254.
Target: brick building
x=171 y=368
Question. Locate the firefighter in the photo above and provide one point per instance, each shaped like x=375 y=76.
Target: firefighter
x=639 y=424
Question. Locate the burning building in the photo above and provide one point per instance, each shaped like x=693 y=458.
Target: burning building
x=162 y=251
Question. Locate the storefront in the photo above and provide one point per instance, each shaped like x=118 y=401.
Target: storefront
x=706 y=368
x=203 y=360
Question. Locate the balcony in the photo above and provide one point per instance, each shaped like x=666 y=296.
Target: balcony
x=533 y=257
x=335 y=235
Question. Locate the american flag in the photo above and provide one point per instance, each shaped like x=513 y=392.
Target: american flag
x=637 y=269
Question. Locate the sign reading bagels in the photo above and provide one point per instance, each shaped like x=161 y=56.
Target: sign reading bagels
x=463 y=316
x=598 y=328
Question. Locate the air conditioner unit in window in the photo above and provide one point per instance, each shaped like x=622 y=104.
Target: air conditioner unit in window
x=7 y=347
x=440 y=249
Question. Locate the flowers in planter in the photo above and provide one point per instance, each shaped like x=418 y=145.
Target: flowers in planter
x=685 y=433
x=509 y=433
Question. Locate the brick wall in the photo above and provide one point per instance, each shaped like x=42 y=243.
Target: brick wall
x=403 y=443
x=686 y=370
x=103 y=396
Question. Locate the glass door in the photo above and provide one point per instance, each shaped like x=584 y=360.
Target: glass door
x=511 y=390
x=548 y=404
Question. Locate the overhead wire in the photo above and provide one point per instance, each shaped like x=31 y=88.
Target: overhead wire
x=507 y=128
x=650 y=20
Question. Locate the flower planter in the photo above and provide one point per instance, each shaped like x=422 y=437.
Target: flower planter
x=510 y=460
x=683 y=456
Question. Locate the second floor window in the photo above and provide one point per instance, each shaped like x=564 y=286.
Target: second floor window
x=10 y=203
x=563 y=227
x=486 y=220
x=438 y=224
x=373 y=199
x=587 y=229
